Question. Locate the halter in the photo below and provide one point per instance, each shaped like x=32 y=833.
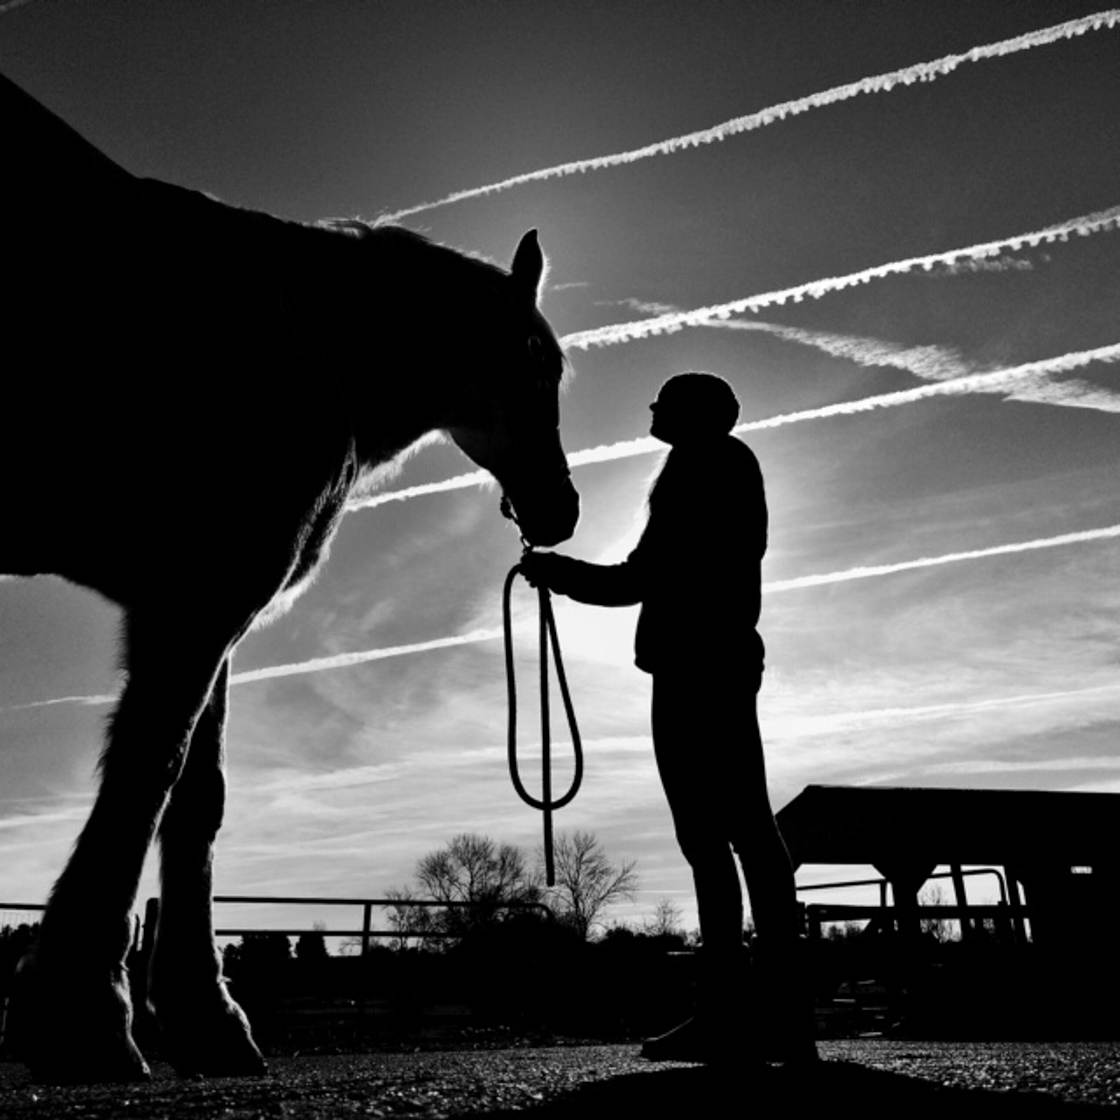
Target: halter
x=547 y=637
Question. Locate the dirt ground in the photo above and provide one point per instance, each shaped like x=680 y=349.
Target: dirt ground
x=872 y=1077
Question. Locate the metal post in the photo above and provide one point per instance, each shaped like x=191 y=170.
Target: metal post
x=367 y=922
x=968 y=930
x=1015 y=901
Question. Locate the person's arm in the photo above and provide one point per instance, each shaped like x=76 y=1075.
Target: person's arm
x=601 y=585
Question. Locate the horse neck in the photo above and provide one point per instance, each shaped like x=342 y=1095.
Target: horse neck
x=429 y=299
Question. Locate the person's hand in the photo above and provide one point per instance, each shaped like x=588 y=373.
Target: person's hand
x=541 y=569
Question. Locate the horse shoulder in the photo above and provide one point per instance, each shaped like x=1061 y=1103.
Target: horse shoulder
x=311 y=546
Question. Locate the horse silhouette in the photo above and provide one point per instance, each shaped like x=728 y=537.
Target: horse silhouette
x=193 y=392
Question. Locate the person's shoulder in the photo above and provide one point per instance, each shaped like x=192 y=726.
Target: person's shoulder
x=740 y=455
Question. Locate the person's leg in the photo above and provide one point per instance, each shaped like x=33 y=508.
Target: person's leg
x=754 y=834
x=782 y=983
x=683 y=735
x=684 y=738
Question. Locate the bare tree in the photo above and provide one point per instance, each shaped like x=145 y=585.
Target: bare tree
x=666 y=920
x=940 y=929
x=586 y=881
x=406 y=921
x=474 y=869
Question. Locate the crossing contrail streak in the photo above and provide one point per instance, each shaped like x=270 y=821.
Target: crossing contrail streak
x=345 y=660
x=970 y=707
x=361 y=657
x=94 y=701
x=991 y=381
x=930 y=363
x=872 y=571
x=878 y=83
x=615 y=333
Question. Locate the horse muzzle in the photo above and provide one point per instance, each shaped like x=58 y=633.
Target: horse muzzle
x=544 y=523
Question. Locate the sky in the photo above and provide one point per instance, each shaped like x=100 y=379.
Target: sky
x=991 y=664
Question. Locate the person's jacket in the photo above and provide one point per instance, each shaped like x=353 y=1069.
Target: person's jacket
x=696 y=569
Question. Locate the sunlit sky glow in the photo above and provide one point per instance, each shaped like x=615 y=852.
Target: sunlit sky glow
x=933 y=395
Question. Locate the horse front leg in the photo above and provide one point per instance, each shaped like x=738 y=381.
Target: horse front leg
x=71 y=1013
x=203 y=1029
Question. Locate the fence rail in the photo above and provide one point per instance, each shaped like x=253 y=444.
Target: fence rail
x=1010 y=915
x=366 y=933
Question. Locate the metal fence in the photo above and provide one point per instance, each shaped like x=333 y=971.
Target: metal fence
x=365 y=933
x=1009 y=916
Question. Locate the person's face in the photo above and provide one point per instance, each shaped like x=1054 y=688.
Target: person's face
x=665 y=421
x=670 y=422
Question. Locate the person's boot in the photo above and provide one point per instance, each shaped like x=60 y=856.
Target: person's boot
x=782 y=979
x=721 y=1031
x=690 y=1041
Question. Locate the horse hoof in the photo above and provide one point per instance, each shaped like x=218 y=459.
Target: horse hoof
x=237 y=1061
x=222 y=1065
x=70 y=1030
x=231 y=1056
x=215 y=1041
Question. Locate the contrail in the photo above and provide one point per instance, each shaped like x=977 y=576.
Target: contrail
x=94 y=701
x=992 y=381
x=344 y=660
x=360 y=657
x=872 y=571
x=969 y=707
x=615 y=333
x=456 y=482
x=930 y=363
x=879 y=83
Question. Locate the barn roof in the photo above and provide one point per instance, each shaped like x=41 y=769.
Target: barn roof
x=881 y=825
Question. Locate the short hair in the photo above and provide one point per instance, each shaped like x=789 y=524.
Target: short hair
x=706 y=398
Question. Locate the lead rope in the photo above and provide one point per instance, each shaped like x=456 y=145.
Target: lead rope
x=547 y=637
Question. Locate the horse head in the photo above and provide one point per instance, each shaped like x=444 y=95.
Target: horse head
x=509 y=420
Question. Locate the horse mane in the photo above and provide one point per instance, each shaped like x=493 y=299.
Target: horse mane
x=407 y=241
x=401 y=238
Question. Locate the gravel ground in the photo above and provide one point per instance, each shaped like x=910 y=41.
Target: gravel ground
x=874 y=1077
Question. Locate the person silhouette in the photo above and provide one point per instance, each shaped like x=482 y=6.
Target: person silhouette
x=696 y=571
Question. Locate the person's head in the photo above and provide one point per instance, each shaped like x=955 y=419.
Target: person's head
x=693 y=408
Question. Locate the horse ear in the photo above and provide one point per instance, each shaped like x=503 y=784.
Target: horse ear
x=528 y=267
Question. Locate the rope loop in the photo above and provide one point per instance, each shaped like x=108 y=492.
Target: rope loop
x=547 y=640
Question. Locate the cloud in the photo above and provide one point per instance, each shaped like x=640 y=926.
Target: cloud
x=50 y=818
x=1003 y=264
x=1000 y=380
x=645 y=306
x=878 y=83
x=932 y=363
x=829 y=723
x=862 y=572
x=1066 y=394
x=890 y=681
